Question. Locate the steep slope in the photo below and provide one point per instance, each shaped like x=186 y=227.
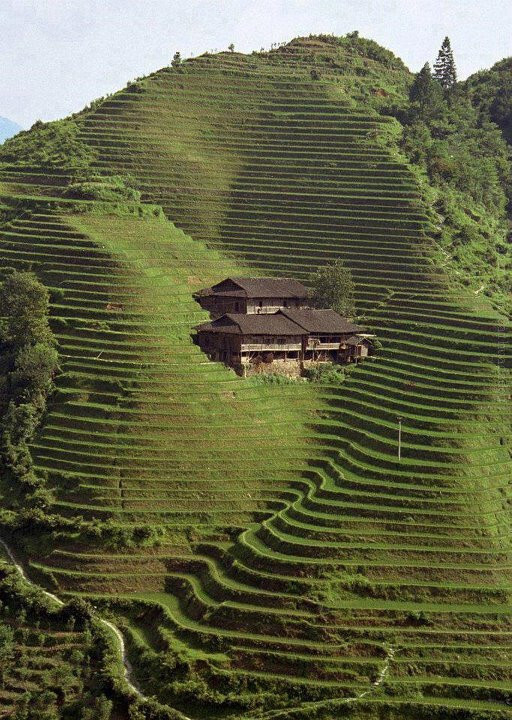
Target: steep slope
x=300 y=566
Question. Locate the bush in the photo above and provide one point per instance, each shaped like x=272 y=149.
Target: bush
x=113 y=188
x=332 y=287
x=25 y=306
x=273 y=379
x=325 y=373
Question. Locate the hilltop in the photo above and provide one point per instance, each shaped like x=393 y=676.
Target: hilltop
x=262 y=547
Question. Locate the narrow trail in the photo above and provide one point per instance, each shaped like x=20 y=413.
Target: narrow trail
x=285 y=712
x=127 y=666
x=128 y=670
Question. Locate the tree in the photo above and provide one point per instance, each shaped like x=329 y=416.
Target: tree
x=80 y=610
x=444 y=67
x=34 y=367
x=426 y=94
x=231 y=47
x=25 y=306
x=176 y=59
x=332 y=287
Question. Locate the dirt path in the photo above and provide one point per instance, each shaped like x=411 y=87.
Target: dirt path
x=345 y=701
x=128 y=670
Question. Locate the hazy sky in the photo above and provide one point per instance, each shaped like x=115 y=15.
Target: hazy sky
x=58 y=55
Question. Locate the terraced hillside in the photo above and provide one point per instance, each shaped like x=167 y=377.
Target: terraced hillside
x=266 y=550
x=52 y=659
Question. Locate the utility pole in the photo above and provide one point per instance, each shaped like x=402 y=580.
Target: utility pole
x=399 y=438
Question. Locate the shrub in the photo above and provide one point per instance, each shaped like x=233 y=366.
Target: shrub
x=325 y=373
x=332 y=287
x=273 y=379
x=25 y=305
x=114 y=188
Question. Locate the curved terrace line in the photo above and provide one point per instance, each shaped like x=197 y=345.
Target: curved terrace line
x=128 y=669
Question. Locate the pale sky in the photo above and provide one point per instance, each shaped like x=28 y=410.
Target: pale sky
x=58 y=55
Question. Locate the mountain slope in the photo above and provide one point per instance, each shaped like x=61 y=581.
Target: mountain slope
x=491 y=92
x=268 y=553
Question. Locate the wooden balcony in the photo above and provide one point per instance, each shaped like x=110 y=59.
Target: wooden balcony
x=312 y=345
x=270 y=347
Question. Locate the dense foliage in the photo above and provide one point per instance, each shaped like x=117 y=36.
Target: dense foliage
x=30 y=361
x=468 y=166
x=52 y=144
x=332 y=287
x=491 y=94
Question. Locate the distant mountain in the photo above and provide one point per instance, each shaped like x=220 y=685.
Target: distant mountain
x=8 y=128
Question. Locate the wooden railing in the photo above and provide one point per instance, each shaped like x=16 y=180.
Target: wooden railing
x=269 y=347
x=312 y=345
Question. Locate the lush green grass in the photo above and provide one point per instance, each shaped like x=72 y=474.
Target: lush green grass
x=295 y=548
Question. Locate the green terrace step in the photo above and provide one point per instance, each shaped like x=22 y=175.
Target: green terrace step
x=296 y=545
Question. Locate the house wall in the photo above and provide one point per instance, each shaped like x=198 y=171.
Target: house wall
x=220 y=346
x=265 y=343
x=271 y=305
x=220 y=306
x=276 y=351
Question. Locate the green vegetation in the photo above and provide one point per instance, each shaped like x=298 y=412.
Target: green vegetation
x=29 y=361
x=468 y=167
x=332 y=287
x=491 y=94
x=261 y=545
x=444 y=68
x=55 y=663
x=49 y=145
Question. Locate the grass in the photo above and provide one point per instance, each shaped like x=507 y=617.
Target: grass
x=295 y=546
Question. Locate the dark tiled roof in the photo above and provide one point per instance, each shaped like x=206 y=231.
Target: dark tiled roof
x=321 y=321
x=241 y=324
x=247 y=287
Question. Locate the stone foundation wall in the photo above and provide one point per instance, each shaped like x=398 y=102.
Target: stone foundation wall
x=289 y=368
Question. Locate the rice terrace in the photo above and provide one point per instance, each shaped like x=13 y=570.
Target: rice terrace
x=335 y=542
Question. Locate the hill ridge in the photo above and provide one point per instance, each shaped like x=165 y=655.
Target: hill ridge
x=292 y=550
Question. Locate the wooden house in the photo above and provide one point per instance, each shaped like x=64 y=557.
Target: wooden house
x=252 y=296
x=357 y=348
x=327 y=334
x=237 y=339
x=290 y=335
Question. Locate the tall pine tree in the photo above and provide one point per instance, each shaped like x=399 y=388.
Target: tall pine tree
x=426 y=95
x=444 y=67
